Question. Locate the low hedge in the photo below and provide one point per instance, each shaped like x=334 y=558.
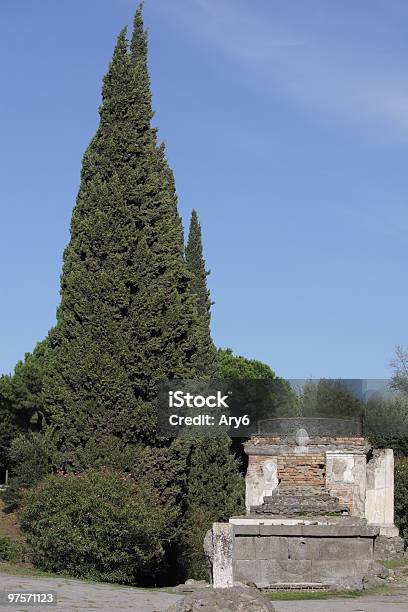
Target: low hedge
x=99 y=525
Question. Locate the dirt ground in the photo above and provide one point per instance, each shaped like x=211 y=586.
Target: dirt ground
x=73 y=595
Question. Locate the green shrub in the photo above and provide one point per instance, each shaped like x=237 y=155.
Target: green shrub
x=401 y=497
x=100 y=525
x=12 y=551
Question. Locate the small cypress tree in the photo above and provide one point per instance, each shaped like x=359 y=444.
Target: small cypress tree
x=206 y=357
x=196 y=265
x=214 y=487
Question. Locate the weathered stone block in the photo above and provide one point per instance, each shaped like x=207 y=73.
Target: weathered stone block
x=248 y=571
x=329 y=549
x=246 y=530
x=298 y=548
x=291 y=570
x=280 y=530
x=271 y=547
x=337 y=571
x=339 y=530
x=244 y=547
x=388 y=548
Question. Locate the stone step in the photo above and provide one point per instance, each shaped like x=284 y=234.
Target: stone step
x=300 y=500
x=298 y=495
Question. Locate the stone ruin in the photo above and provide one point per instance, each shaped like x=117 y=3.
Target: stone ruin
x=320 y=509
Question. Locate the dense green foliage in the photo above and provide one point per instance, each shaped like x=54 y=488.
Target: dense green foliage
x=275 y=398
x=8 y=428
x=386 y=423
x=21 y=401
x=329 y=398
x=31 y=456
x=216 y=491
x=401 y=497
x=236 y=366
x=99 y=525
x=126 y=318
x=27 y=389
x=12 y=550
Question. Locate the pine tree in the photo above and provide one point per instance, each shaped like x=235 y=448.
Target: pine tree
x=206 y=357
x=126 y=318
x=21 y=401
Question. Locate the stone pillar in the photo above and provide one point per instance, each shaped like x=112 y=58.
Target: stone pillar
x=261 y=479
x=222 y=555
x=379 y=505
x=359 y=485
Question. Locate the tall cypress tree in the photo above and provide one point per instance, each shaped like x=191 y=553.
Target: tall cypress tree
x=207 y=355
x=127 y=317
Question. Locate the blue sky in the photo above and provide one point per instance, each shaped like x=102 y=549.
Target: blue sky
x=287 y=128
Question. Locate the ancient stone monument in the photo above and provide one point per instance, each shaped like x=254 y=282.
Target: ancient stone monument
x=320 y=509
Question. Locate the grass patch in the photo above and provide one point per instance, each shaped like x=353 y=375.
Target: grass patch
x=305 y=595
x=309 y=595
x=17 y=569
x=395 y=563
x=296 y=595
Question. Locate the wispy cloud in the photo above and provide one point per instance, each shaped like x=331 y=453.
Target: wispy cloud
x=331 y=76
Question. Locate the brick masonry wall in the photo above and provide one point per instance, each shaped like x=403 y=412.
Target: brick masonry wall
x=255 y=463
x=302 y=470
x=294 y=470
